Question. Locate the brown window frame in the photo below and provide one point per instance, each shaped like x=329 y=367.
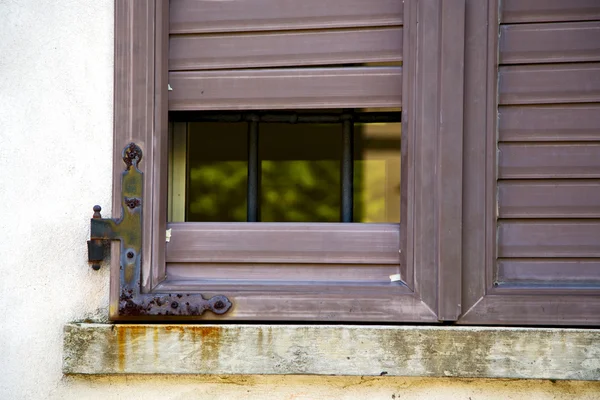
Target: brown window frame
x=432 y=90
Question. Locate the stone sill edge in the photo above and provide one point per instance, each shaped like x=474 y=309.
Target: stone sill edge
x=423 y=351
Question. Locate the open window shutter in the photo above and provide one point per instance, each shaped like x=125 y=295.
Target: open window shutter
x=546 y=263
x=264 y=54
x=272 y=54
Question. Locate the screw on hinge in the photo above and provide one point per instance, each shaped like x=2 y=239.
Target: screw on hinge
x=219 y=305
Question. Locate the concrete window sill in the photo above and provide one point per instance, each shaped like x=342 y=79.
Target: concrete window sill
x=489 y=352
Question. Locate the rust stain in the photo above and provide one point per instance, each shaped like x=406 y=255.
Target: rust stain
x=176 y=328
x=121 y=347
x=128 y=336
x=206 y=342
x=265 y=341
x=260 y=341
x=210 y=338
x=155 y=345
x=137 y=336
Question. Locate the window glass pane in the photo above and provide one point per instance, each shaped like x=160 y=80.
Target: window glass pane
x=300 y=179
x=217 y=172
x=377 y=172
x=300 y=172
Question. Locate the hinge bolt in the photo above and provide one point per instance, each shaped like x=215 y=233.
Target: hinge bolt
x=97 y=210
x=219 y=305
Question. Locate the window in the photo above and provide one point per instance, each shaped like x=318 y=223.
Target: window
x=299 y=166
x=299 y=270
x=319 y=58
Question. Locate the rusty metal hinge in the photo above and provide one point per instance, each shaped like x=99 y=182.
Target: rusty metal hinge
x=128 y=230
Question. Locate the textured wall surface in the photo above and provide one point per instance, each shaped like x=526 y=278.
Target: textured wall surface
x=55 y=164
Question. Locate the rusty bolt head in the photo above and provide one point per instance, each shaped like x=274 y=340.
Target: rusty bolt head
x=96 y=267
x=132 y=202
x=174 y=304
x=130 y=254
x=219 y=305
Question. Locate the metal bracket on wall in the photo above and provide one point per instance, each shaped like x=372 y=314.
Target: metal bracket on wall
x=128 y=230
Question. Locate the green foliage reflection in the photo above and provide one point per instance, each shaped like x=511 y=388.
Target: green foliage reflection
x=300 y=191
x=217 y=191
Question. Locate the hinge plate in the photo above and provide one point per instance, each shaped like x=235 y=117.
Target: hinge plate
x=128 y=231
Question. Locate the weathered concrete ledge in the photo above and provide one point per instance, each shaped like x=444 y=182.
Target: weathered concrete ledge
x=332 y=350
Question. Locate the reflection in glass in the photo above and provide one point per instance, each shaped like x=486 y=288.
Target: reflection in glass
x=300 y=172
x=377 y=172
x=217 y=172
x=300 y=180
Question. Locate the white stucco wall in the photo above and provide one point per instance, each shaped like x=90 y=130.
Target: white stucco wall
x=55 y=163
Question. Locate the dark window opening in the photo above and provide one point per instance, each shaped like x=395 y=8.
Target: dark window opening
x=304 y=166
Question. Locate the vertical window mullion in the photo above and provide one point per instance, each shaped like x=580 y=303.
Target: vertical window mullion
x=254 y=170
x=347 y=172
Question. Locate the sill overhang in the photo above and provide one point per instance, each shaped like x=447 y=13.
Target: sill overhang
x=425 y=351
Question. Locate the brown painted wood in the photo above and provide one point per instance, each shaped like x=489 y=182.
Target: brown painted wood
x=284 y=243
x=518 y=11
x=478 y=148
x=358 y=87
x=140 y=116
x=549 y=199
x=139 y=111
x=432 y=120
x=199 y=16
x=583 y=272
x=318 y=306
x=408 y=194
x=546 y=43
x=450 y=153
x=349 y=302
x=287 y=274
x=535 y=309
x=281 y=288
x=547 y=84
x=345 y=46
x=550 y=123
x=573 y=301
x=156 y=269
x=549 y=238
x=560 y=289
x=549 y=161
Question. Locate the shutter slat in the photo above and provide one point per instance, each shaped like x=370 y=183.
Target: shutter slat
x=531 y=161
x=202 y=16
x=550 y=123
x=284 y=243
x=546 y=239
x=549 y=10
x=546 y=84
x=308 y=274
x=348 y=46
x=549 y=272
x=545 y=43
x=549 y=199
x=358 y=87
